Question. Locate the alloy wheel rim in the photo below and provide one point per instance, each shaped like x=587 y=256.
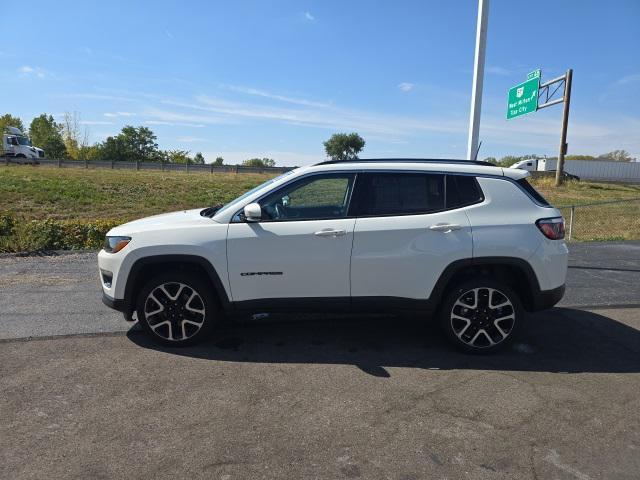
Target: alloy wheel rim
x=482 y=317
x=174 y=311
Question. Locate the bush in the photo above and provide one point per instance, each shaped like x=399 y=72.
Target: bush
x=19 y=235
x=6 y=223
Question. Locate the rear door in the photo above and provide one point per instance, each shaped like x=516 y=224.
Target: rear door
x=406 y=233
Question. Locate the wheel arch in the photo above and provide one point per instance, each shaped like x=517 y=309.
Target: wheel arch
x=517 y=272
x=146 y=267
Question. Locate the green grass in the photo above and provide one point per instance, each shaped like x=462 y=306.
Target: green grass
x=617 y=221
x=577 y=193
x=101 y=194
x=47 y=208
x=51 y=208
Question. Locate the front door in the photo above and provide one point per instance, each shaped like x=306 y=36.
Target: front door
x=300 y=251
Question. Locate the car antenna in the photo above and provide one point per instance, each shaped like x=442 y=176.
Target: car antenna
x=475 y=157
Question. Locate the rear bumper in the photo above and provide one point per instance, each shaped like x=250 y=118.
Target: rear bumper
x=547 y=298
x=115 y=303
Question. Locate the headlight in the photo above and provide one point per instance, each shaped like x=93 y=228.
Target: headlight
x=115 y=244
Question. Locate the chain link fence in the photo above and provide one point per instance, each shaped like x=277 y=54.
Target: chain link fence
x=602 y=221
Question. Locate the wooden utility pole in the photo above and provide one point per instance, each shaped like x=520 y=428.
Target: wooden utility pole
x=565 y=124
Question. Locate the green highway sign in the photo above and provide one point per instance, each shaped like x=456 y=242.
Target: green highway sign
x=523 y=98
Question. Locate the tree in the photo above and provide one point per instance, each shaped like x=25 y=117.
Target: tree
x=491 y=160
x=113 y=148
x=140 y=143
x=45 y=133
x=130 y=145
x=218 y=161
x=8 y=120
x=75 y=140
x=344 y=146
x=89 y=152
x=259 y=162
x=177 y=156
x=617 y=156
x=198 y=159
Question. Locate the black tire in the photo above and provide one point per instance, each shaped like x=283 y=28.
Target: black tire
x=176 y=321
x=481 y=315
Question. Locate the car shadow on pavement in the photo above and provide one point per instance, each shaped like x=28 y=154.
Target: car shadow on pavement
x=558 y=340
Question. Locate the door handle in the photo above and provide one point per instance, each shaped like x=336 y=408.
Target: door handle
x=445 y=227
x=330 y=232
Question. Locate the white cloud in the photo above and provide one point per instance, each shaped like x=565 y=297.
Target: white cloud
x=119 y=114
x=331 y=118
x=169 y=118
x=95 y=122
x=308 y=16
x=628 y=79
x=272 y=96
x=406 y=86
x=190 y=139
x=540 y=135
x=97 y=96
x=28 y=71
x=173 y=124
x=495 y=70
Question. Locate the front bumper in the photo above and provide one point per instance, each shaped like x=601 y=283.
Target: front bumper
x=115 y=303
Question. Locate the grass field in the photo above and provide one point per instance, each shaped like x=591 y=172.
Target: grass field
x=71 y=194
x=46 y=207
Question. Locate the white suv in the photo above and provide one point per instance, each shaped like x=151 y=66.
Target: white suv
x=473 y=243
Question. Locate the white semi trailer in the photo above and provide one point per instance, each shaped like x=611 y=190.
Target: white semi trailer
x=601 y=170
x=17 y=147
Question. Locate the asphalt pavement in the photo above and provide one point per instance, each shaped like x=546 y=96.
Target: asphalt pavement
x=84 y=396
x=328 y=399
x=60 y=294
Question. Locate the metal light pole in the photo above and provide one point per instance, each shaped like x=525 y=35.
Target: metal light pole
x=478 y=77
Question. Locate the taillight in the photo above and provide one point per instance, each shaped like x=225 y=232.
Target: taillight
x=552 y=228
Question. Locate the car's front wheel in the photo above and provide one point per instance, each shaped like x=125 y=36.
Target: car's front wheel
x=481 y=315
x=177 y=309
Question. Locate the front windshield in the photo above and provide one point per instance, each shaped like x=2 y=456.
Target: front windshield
x=24 y=141
x=239 y=200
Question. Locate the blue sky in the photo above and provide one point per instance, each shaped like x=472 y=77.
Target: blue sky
x=256 y=78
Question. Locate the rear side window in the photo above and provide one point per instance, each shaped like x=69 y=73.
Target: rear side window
x=380 y=194
x=533 y=192
x=462 y=190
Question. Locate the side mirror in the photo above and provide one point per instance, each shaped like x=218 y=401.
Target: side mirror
x=252 y=212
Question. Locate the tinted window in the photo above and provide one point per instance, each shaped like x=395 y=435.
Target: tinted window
x=533 y=192
x=462 y=190
x=381 y=194
x=311 y=198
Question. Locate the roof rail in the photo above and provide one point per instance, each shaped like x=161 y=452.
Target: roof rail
x=409 y=160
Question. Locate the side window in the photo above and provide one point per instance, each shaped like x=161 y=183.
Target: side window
x=462 y=190
x=380 y=194
x=313 y=198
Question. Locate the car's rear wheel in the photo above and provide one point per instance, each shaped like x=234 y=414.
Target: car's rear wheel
x=481 y=315
x=177 y=309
